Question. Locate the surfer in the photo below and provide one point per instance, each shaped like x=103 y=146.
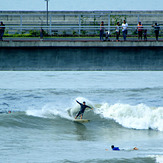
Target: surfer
x=82 y=109
x=117 y=148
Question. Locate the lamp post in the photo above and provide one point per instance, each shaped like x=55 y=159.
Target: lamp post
x=47 y=10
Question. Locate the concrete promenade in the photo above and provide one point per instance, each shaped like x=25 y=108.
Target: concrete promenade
x=78 y=42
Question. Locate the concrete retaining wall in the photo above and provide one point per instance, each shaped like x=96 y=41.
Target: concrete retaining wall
x=81 y=58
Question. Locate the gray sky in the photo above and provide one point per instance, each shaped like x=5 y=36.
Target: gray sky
x=78 y=5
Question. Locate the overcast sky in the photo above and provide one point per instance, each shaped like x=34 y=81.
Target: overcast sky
x=81 y=5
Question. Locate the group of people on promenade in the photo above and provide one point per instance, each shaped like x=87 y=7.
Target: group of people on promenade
x=141 y=30
x=124 y=26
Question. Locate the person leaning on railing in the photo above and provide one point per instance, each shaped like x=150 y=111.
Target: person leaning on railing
x=156 y=28
x=140 y=30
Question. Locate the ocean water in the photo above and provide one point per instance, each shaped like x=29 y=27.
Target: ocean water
x=128 y=112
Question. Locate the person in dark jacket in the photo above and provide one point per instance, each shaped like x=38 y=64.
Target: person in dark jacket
x=82 y=109
x=156 y=29
x=2 y=31
x=102 y=29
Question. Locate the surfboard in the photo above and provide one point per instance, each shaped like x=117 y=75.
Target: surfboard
x=81 y=120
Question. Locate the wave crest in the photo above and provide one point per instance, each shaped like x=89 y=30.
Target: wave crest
x=136 y=117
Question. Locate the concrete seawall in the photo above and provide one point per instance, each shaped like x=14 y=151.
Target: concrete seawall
x=81 y=55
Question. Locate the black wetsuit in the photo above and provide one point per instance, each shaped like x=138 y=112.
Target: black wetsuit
x=82 y=109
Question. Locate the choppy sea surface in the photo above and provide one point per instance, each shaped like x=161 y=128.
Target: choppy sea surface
x=128 y=112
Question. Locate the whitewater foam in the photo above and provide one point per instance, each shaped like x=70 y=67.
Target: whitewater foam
x=48 y=111
x=136 y=117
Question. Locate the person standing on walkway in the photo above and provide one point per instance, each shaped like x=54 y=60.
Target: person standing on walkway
x=145 y=34
x=2 y=30
x=156 y=29
x=117 y=31
x=41 y=34
x=124 y=29
x=102 y=31
x=140 y=30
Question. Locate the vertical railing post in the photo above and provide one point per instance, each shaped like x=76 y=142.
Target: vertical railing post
x=21 y=23
x=138 y=19
x=50 y=24
x=79 y=24
x=47 y=15
x=109 y=22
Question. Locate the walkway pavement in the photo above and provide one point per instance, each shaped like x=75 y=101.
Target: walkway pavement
x=76 y=39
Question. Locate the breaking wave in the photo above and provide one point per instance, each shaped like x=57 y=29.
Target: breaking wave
x=136 y=117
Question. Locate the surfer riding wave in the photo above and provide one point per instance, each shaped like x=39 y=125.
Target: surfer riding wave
x=82 y=109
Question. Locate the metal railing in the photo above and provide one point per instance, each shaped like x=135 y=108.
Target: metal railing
x=79 y=22
x=73 y=30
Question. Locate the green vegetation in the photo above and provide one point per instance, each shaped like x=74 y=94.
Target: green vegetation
x=31 y=33
x=74 y=34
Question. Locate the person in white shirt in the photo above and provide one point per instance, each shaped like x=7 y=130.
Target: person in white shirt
x=124 y=29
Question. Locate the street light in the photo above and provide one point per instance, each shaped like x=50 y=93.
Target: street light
x=47 y=10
